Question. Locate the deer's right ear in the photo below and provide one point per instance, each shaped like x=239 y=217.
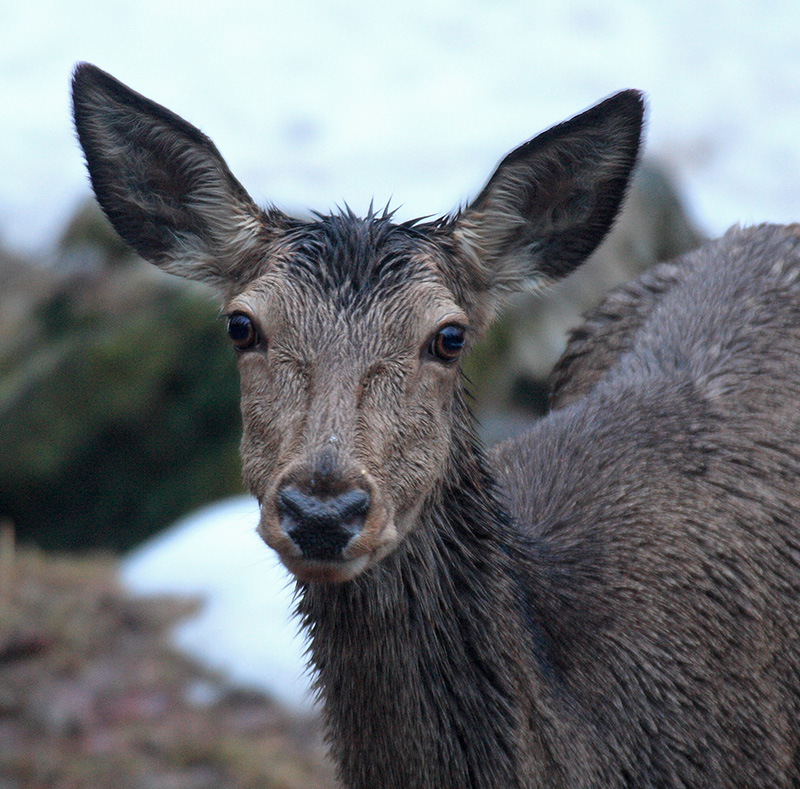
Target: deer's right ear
x=163 y=184
x=551 y=201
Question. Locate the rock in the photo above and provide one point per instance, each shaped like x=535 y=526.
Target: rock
x=118 y=396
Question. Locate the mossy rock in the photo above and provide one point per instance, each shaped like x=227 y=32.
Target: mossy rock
x=119 y=400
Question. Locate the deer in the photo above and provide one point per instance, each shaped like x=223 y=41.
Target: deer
x=608 y=600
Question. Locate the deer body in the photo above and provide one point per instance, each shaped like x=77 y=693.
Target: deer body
x=608 y=601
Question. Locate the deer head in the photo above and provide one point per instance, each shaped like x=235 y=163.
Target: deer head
x=348 y=331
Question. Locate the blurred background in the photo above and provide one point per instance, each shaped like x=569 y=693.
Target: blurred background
x=118 y=392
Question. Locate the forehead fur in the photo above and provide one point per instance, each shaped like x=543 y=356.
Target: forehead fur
x=350 y=262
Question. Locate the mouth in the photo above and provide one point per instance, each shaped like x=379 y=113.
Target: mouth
x=329 y=571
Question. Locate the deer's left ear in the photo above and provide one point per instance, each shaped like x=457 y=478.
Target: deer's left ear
x=552 y=200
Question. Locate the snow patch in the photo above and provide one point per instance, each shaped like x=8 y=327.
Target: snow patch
x=246 y=627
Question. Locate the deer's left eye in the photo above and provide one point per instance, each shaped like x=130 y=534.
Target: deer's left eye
x=242 y=331
x=447 y=343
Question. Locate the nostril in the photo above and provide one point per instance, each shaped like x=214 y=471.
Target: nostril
x=322 y=527
x=354 y=504
x=315 y=511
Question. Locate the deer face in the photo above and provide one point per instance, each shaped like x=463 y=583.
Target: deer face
x=348 y=351
x=349 y=331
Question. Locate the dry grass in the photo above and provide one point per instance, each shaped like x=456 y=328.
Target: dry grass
x=93 y=695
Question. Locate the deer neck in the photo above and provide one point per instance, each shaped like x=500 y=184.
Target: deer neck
x=424 y=659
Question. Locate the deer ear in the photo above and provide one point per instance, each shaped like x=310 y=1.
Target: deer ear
x=163 y=184
x=552 y=200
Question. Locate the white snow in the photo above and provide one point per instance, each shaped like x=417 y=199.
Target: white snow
x=245 y=627
x=317 y=102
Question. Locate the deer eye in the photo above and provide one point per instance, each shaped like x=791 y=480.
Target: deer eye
x=242 y=331
x=447 y=343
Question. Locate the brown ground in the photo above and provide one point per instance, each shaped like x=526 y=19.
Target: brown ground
x=92 y=695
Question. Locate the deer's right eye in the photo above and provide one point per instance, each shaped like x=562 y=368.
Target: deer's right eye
x=242 y=331
x=447 y=343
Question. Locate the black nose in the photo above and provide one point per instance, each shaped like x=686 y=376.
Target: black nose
x=321 y=528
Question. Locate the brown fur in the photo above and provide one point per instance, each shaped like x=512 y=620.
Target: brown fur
x=609 y=601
